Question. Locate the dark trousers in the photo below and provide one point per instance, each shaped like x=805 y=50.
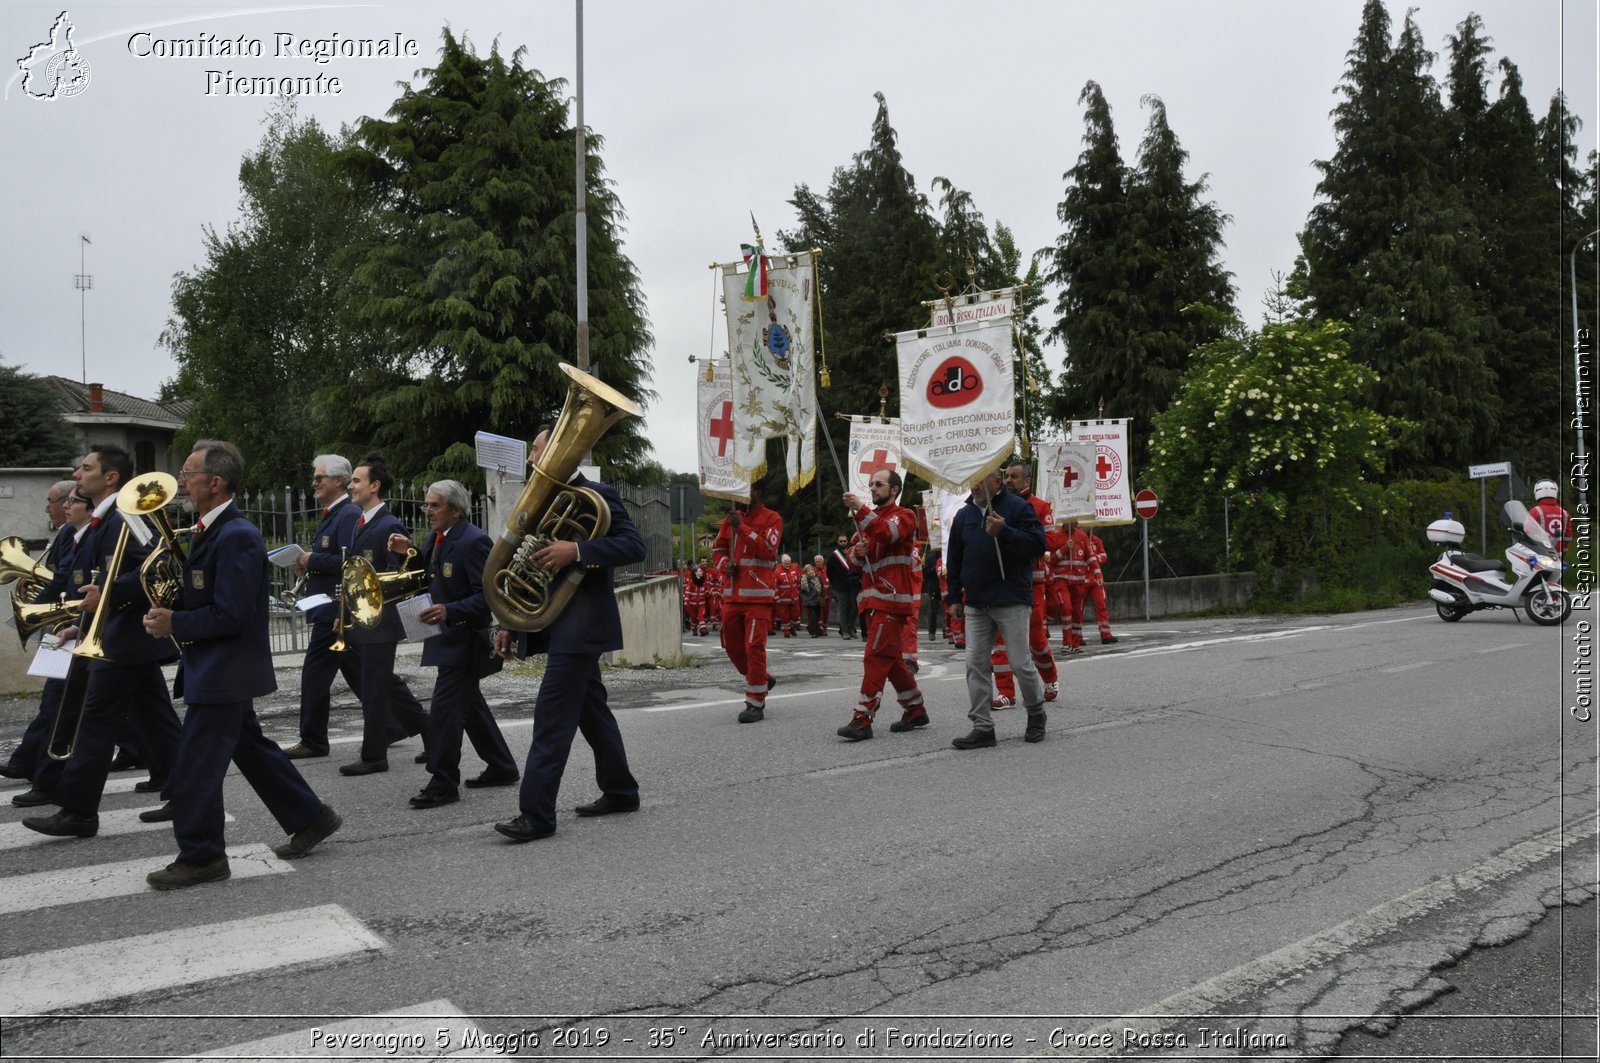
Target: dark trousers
x=458 y=707
x=213 y=737
x=389 y=711
x=572 y=699
x=847 y=611
x=139 y=691
x=29 y=757
x=316 y=679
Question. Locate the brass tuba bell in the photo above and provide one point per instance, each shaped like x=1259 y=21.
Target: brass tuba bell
x=17 y=564
x=31 y=617
x=522 y=596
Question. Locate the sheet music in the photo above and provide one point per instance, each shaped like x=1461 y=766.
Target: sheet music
x=286 y=556
x=416 y=630
x=52 y=662
x=501 y=453
x=310 y=602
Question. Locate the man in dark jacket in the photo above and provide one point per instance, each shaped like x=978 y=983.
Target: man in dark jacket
x=844 y=583
x=993 y=542
x=572 y=697
x=221 y=623
x=453 y=555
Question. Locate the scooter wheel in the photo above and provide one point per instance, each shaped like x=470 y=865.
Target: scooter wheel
x=1548 y=607
x=1449 y=613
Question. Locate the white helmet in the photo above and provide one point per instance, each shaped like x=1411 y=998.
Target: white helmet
x=1544 y=489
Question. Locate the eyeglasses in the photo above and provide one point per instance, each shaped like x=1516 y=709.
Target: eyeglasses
x=432 y=506
x=184 y=474
x=319 y=479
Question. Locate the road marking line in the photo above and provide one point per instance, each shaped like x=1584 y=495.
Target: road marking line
x=1293 y=960
x=329 y=1040
x=1507 y=646
x=1405 y=667
x=122 y=821
x=123 y=785
x=42 y=982
x=97 y=882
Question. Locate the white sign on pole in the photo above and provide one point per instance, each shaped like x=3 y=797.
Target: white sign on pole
x=1481 y=472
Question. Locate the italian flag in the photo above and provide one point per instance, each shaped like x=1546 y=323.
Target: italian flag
x=755 y=282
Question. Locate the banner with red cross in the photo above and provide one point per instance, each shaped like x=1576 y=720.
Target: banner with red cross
x=1113 y=477
x=1065 y=478
x=874 y=444
x=715 y=397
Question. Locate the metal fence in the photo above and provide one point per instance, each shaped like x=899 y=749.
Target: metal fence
x=291 y=515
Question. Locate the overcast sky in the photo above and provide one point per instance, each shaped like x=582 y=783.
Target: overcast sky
x=710 y=111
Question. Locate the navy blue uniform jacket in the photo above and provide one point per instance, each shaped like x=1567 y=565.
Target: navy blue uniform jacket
x=221 y=617
x=123 y=635
x=324 y=565
x=974 y=566
x=58 y=559
x=456 y=566
x=371 y=541
x=591 y=623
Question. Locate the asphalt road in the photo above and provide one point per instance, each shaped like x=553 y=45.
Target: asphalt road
x=1240 y=836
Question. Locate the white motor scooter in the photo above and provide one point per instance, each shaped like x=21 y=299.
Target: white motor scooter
x=1529 y=577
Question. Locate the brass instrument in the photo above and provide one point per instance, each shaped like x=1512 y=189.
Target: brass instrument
x=339 y=645
x=31 y=617
x=161 y=575
x=365 y=591
x=522 y=596
x=17 y=564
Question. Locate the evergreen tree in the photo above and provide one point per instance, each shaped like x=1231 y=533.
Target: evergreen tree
x=1391 y=247
x=33 y=434
x=469 y=273
x=256 y=327
x=1097 y=312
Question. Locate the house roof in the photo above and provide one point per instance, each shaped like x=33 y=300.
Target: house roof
x=73 y=400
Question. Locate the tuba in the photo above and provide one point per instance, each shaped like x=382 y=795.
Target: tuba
x=522 y=596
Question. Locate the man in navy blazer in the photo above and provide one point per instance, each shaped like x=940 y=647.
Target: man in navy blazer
x=221 y=623
x=453 y=554
x=320 y=567
x=571 y=696
x=128 y=679
x=389 y=711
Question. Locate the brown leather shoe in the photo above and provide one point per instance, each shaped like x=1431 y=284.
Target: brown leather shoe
x=302 y=751
x=305 y=840
x=175 y=876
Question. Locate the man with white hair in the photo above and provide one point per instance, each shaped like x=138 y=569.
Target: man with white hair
x=453 y=555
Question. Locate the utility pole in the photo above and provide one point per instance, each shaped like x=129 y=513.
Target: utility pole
x=83 y=282
x=582 y=212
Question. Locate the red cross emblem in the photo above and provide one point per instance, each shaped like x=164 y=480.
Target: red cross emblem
x=722 y=428
x=1069 y=477
x=879 y=459
x=1102 y=467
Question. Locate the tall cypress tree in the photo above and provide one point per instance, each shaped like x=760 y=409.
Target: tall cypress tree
x=1098 y=310
x=471 y=270
x=1391 y=247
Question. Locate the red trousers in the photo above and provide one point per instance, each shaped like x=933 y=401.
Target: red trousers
x=744 y=639
x=883 y=661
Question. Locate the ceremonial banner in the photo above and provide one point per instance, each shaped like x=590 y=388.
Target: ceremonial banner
x=942 y=507
x=1066 y=479
x=957 y=401
x=976 y=306
x=715 y=396
x=773 y=355
x=874 y=444
x=1113 y=479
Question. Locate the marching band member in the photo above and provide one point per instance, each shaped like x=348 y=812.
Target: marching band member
x=746 y=552
x=454 y=556
x=389 y=711
x=128 y=679
x=320 y=567
x=221 y=623
x=884 y=551
x=572 y=697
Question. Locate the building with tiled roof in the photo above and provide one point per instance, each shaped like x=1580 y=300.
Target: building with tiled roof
x=146 y=428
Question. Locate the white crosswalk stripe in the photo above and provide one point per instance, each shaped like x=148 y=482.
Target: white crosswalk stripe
x=413 y=1032
x=120 y=821
x=60 y=979
x=53 y=889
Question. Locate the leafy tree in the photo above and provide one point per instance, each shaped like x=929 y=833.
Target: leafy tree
x=468 y=272
x=1392 y=249
x=255 y=329
x=1274 y=419
x=33 y=433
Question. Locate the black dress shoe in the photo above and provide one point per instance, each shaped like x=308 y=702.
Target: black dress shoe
x=163 y=814
x=434 y=799
x=420 y=758
x=125 y=761
x=523 y=829
x=151 y=785
x=364 y=767
x=176 y=876
x=303 y=752
x=977 y=738
x=490 y=778
x=608 y=805
x=8 y=772
x=64 y=824
x=32 y=798
x=305 y=840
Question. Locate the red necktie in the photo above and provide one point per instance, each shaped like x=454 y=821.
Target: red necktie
x=361 y=522
x=199 y=526
x=94 y=522
x=324 y=511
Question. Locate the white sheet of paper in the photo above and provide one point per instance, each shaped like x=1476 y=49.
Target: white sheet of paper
x=305 y=605
x=501 y=452
x=52 y=662
x=285 y=556
x=416 y=630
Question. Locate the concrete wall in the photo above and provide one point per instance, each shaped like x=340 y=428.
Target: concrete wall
x=22 y=512
x=652 y=621
x=14 y=660
x=1172 y=597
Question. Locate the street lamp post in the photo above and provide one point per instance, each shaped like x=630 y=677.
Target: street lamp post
x=83 y=282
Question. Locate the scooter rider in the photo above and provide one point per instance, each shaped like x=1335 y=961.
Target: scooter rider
x=1551 y=517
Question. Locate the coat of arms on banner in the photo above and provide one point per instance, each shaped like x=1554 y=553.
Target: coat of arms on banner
x=772 y=354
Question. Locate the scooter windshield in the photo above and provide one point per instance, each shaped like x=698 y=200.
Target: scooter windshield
x=1526 y=526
